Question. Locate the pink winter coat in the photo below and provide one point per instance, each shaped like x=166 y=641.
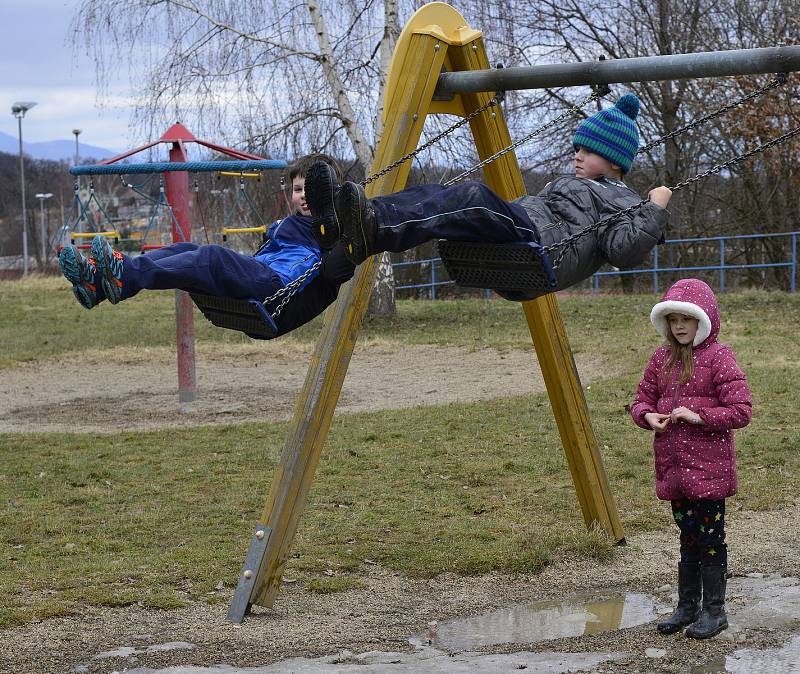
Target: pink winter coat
x=695 y=461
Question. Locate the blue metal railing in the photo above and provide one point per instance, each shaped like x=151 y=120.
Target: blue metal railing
x=438 y=277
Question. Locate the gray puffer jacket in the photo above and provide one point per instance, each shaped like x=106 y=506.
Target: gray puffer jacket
x=568 y=205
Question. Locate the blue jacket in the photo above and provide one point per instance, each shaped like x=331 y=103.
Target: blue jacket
x=292 y=250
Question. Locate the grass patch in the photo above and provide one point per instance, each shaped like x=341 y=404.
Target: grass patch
x=162 y=518
x=332 y=585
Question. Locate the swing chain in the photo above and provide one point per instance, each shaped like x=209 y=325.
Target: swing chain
x=572 y=110
x=565 y=243
x=780 y=80
x=290 y=289
x=391 y=167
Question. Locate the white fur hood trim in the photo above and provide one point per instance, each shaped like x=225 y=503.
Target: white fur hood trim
x=658 y=317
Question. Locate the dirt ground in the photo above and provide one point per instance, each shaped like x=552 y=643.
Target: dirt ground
x=390 y=608
x=137 y=388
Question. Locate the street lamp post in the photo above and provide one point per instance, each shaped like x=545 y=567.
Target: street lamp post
x=18 y=110
x=77 y=133
x=41 y=197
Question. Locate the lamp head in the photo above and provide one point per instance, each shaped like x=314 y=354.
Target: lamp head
x=19 y=108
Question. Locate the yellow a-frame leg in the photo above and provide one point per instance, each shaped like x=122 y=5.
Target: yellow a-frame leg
x=435 y=37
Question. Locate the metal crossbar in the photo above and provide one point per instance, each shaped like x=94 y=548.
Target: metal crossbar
x=640 y=69
x=189 y=166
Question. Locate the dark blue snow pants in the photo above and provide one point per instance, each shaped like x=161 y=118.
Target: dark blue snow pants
x=467 y=211
x=208 y=270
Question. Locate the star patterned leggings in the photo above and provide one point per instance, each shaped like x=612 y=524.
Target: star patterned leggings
x=702 y=525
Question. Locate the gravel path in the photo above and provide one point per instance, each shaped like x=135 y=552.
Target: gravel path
x=391 y=608
x=250 y=383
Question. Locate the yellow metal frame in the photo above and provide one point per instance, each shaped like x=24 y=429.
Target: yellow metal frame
x=239 y=174
x=436 y=37
x=244 y=230
x=91 y=235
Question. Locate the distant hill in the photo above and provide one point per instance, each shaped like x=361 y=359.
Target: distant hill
x=53 y=149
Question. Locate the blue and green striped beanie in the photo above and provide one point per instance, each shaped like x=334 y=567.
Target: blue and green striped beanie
x=612 y=133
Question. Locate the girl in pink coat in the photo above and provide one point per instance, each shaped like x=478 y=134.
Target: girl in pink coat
x=693 y=394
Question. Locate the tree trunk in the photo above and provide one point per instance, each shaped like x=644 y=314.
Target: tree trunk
x=382 y=300
x=327 y=60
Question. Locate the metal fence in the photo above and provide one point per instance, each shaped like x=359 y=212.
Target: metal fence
x=429 y=274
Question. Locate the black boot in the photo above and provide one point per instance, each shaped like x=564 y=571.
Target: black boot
x=320 y=187
x=356 y=217
x=688 y=609
x=712 y=618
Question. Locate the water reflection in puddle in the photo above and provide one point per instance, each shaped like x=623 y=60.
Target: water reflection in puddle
x=541 y=621
x=784 y=660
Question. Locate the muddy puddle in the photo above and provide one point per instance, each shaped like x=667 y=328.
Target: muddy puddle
x=542 y=621
x=784 y=660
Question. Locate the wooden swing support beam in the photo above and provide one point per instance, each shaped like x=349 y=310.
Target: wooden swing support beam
x=436 y=37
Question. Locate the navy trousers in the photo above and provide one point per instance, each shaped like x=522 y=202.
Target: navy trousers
x=467 y=211
x=208 y=270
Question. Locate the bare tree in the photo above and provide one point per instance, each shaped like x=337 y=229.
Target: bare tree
x=572 y=30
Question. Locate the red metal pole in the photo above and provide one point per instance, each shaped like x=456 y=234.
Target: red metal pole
x=177 y=184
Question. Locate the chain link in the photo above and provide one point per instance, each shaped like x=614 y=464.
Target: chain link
x=290 y=289
x=391 y=167
x=746 y=155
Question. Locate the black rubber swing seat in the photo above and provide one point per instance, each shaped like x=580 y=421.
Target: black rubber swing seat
x=516 y=271
x=248 y=316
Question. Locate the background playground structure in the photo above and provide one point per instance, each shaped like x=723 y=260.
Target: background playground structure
x=102 y=519
x=174 y=202
x=130 y=206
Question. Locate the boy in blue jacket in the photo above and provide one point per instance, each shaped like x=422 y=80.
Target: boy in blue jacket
x=290 y=251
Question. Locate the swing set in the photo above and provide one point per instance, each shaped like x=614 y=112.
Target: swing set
x=173 y=201
x=440 y=66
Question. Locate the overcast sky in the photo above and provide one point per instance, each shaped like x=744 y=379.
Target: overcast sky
x=38 y=63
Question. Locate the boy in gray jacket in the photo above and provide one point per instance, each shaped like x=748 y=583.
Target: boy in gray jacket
x=605 y=145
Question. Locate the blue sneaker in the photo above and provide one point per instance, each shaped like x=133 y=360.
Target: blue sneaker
x=109 y=263
x=79 y=271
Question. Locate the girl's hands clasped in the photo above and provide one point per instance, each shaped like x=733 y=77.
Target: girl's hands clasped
x=657 y=421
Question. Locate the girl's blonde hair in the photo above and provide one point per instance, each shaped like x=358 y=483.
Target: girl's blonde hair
x=679 y=352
